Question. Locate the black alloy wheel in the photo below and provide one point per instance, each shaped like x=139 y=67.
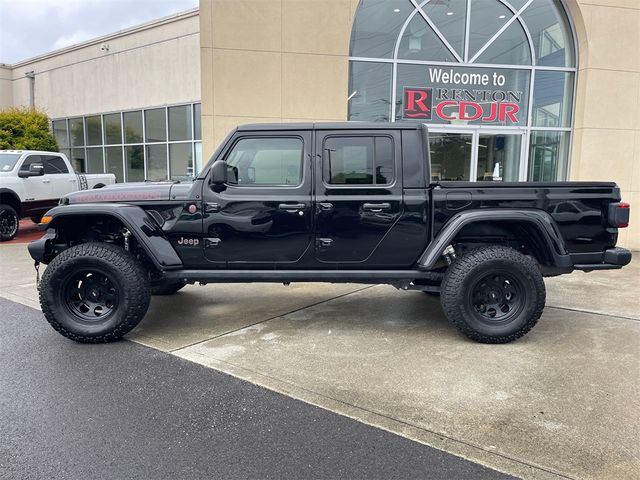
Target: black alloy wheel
x=90 y=295
x=9 y=223
x=496 y=298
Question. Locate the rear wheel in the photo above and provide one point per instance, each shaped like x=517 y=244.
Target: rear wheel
x=493 y=294
x=94 y=293
x=9 y=223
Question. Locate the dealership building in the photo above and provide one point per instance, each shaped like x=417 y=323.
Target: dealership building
x=512 y=90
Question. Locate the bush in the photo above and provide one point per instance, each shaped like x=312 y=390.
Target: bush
x=25 y=129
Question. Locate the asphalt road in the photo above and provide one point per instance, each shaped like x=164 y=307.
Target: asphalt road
x=126 y=411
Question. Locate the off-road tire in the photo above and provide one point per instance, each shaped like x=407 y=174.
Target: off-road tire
x=462 y=278
x=167 y=288
x=8 y=213
x=129 y=279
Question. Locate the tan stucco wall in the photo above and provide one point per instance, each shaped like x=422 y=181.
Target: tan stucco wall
x=272 y=61
x=285 y=60
x=6 y=88
x=153 y=64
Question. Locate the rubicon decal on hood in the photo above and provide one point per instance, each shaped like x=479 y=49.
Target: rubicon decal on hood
x=105 y=196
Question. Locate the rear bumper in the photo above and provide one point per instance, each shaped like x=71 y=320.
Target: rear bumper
x=612 y=258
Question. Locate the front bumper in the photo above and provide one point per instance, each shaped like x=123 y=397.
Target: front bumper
x=38 y=249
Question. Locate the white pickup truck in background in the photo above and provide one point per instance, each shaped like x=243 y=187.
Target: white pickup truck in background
x=32 y=182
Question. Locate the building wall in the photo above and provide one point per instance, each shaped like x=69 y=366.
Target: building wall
x=157 y=63
x=6 y=89
x=287 y=60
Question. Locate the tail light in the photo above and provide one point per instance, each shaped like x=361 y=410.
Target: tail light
x=619 y=214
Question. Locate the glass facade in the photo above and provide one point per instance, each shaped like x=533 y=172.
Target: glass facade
x=493 y=79
x=148 y=144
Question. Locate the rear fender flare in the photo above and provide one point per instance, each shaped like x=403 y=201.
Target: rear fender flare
x=556 y=249
x=145 y=230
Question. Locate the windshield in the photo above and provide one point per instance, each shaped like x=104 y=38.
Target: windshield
x=8 y=161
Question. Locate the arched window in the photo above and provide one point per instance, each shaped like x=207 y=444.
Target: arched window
x=494 y=79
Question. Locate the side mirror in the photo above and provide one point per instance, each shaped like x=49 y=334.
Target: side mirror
x=219 y=175
x=35 y=170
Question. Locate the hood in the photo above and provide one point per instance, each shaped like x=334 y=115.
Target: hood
x=132 y=192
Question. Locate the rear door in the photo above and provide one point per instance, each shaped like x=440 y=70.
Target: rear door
x=263 y=218
x=62 y=181
x=358 y=193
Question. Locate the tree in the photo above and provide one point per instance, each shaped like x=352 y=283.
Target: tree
x=26 y=129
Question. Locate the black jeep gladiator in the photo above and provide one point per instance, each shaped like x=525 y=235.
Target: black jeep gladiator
x=334 y=202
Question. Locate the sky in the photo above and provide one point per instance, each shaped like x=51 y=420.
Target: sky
x=32 y=27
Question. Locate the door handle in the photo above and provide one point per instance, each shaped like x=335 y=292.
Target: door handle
x=72 y=180
x=325 y=206
x=44 y=180
x=376 y=207
x=211 y=207
x=291 y=207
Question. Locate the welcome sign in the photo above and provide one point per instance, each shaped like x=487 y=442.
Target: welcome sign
x=469 y=95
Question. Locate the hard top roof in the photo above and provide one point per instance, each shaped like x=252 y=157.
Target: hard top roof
x=330 y=126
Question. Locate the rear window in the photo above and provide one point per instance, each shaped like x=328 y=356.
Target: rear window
x=8 y=161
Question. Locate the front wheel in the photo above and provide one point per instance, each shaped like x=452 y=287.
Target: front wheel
x=9 y=223
x=493 y=294
x=94 y=293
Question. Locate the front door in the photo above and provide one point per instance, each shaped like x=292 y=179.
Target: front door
x=263 y=217
x=358 y=194
x=476 y=155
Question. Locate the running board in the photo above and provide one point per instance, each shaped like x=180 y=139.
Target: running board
x=333 y=276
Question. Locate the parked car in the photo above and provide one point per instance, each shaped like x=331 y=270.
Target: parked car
x=32 y=182
x=336 y=202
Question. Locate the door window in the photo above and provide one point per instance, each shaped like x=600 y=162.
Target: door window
x=358 y=160
x=267 y=161
x=28 y=161
x=55 y=165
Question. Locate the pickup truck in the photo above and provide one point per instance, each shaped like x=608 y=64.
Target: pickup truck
x=334 y=202
x=32 y=182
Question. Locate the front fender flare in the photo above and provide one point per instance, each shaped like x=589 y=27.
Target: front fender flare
x=539 y=219
x=145 y=230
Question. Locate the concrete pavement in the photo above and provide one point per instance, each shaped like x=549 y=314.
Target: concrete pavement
x=561 y=402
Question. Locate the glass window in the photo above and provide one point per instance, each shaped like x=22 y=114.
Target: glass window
x=370 y=91
x=358 y=160
x=552 y=99
x=55 y=165
x=8 y=161
x=266 y=161
x=76 y=128
x=112 y=129
x=420 y=42
x=181 y=161
x=28 y=161
x=198 y=152
x=135 y=163
x=60 y=132
x=449 y=19
x=180 y=123
x=114 y=162
x=157 y=162
x=132 y=127
x=94 y=160
x=498 y=157
x=77 y=160
x=377 y=26
x=94 y=130
x=510 y=48
x=197 y=122
x=450 y=156
x=155 y=123
x=487 y=17
x=550 y=32
x=548 y=154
